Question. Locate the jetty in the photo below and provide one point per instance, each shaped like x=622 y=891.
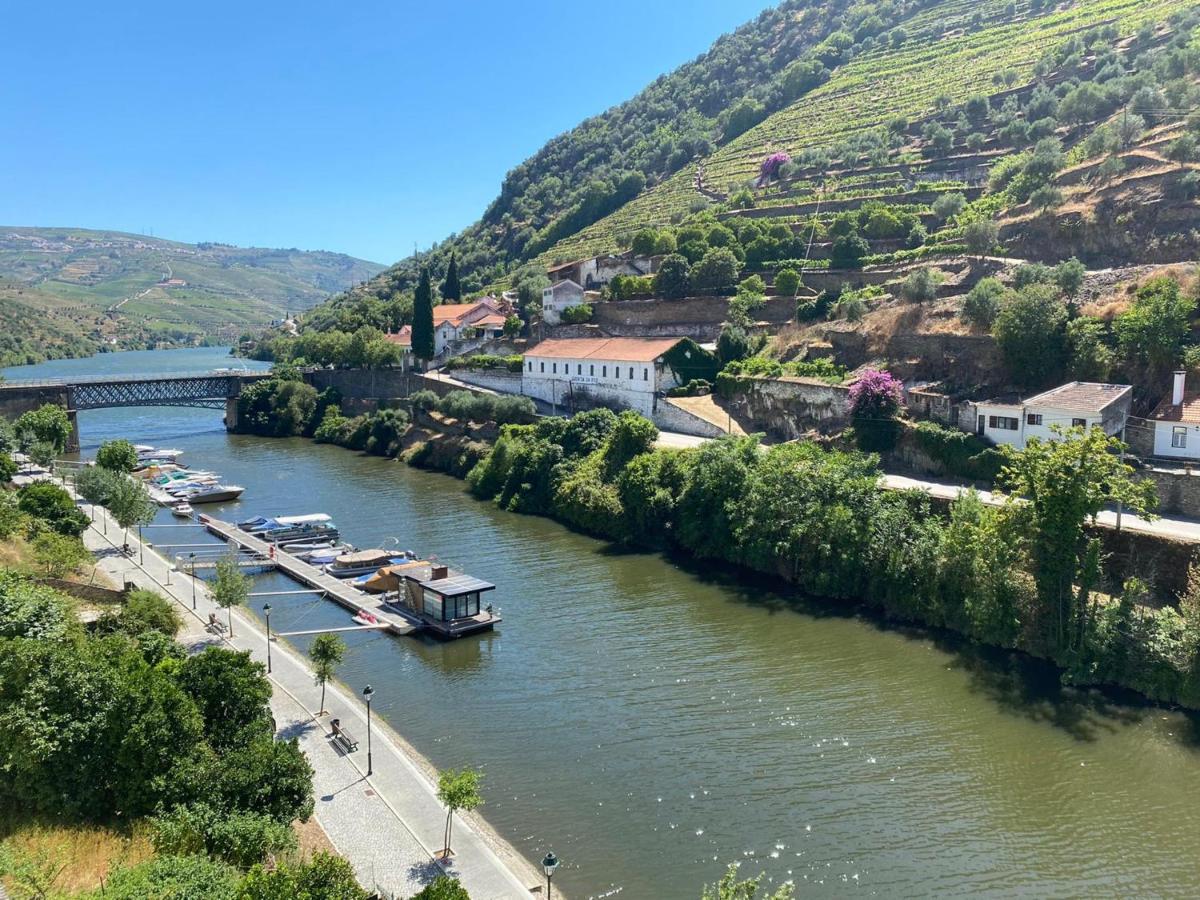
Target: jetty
x=334 y=588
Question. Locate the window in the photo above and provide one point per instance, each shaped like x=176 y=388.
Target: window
x=530 y=364
x=604 y=371
x=467 y=605
x=579 y=369
x=591 y=370
x=432 y=606
x=645 y=374
x=553 y=368
x=543 y=365
x=1079 y=423
x=1179 y=437
x=1003 y=423
x=631 y=373
x=1033 y=419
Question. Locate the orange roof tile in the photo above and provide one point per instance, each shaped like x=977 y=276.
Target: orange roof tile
x=1188 y=411
x=618 y=349
x=451 y=312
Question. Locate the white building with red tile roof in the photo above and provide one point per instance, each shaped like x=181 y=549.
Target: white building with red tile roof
x=1079 y=404
x=624 y=372
x=1177 y=422
x=454 y=323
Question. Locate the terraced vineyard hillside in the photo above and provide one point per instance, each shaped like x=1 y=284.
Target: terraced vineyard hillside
x=995 y=57
x=102 y=286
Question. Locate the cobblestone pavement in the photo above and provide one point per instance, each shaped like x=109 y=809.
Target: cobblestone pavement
x=389 y=826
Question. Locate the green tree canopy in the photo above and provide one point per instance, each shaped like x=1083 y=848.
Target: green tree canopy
x=1031 y=332
x=48 y=424
x=117 y=456
x=422 y=334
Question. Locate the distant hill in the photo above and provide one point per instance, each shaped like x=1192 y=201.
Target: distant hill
x=95 y=287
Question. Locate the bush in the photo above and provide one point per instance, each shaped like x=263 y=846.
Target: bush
x=787 y=282
x=442 y=888
x=921 y=286
x=50 y=504
x=117 y=456
x=717 y=272
x=577 y=315
x=964 y=455
x=848 y=251
x=982 y=304
x=334 y=427
x=423 y=400
x=947 y=206
x=147 y=611
x=177 y=877
x=241 y=839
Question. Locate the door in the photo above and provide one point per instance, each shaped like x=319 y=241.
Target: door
x=979 y=426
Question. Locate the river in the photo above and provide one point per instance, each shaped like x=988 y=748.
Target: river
x=654 y=721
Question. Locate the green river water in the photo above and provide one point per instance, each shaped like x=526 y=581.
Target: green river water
x=653 y=721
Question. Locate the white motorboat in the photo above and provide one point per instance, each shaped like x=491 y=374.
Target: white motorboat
x=213 y=493
x=182 y=510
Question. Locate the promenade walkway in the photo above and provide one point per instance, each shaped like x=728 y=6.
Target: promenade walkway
x=389 y=826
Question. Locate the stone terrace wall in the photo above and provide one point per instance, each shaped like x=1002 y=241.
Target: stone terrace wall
x=787 y=408
x=497 y=380
x=669 y=417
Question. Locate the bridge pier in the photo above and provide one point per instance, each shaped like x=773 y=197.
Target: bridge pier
x=73 y=440
x=231 y=413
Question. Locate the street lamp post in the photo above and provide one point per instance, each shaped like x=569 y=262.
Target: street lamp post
x=368 y=693
x=192 y=557
x=549 y=864
x=141 y=547
x=267 y=613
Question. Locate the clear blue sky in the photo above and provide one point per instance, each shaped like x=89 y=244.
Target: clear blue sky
x=360 y=126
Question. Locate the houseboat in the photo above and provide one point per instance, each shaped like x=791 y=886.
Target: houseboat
x=365 y=562
x=445 y=603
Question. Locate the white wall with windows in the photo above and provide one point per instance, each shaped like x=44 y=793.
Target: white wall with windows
x=632 y=385
x=1015 y=425
x=1177 y=440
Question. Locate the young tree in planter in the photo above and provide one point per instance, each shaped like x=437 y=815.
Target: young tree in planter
x=423 y=344
x=117 y=456
x=232 y=586
x=327 y=652
x=458 y=789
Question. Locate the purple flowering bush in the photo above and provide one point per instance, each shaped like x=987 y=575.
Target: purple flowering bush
x=876 y=395
x=771 y=166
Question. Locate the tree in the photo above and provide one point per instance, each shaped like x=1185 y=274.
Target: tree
x=54 y=506
x=326 y=652
x=1046 y=198
x=117 y=456
x=1030 y=330
x=644 y=242
x=1153 y=331
x=1089 y=358
x=982 y=304
x=59 y=554
x=1054 y=487
x=442 y=888
x=130 y=504
x=47 y=424
x=875 y=400
x=423 y=344
x=1182 y=150
x=458 y=789
x=848 y=251
x=673 y=278
x=231 y=587
x=232 y=693
x=947 y=206
x=324 y=877
x=451 y=289
x=730 y=888
x=922 y=285
x=787 y=282
x=8 y=467
x=1069 y=276
x=981 y=236
x=717 y=272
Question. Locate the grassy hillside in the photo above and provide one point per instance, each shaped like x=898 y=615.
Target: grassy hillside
x=141 y=289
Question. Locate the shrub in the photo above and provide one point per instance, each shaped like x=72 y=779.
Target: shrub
x=241 y=838
x=921 y=286
x=423 y=400
x=333 y=429
x=848 y=251
x=511 y=410
x=874 y=404
x=147 y=611
x=982 y=303
x=577 y=315
x=674 y=277
x=117 y=456
x=171 y=876
x=787 y=282
x=717 y=272
x=963 y=455
x=52 y=505
x=947 y=206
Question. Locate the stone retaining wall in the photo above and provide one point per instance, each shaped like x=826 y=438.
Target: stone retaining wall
x=498 y=380
x=669 y=417
x=787 y=408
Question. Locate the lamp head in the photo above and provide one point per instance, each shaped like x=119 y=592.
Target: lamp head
x=549 y=864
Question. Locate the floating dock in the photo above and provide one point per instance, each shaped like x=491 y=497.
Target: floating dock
x=334 y=588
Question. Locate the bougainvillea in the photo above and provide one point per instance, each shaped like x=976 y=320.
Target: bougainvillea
x=771 y=166
x=876 y=395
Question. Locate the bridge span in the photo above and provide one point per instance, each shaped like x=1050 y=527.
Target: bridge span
x=204 y=390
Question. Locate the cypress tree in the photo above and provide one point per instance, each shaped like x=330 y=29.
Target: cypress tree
x=422 y=329
x=451 y=290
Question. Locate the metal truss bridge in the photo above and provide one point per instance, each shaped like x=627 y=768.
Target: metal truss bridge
x=208 y=390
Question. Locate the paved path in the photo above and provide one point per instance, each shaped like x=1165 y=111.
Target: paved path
x=388 y=826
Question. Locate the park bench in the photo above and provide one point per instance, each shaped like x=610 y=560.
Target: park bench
x=343 y=737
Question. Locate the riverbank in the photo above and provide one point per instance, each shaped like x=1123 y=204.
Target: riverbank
x=388 y=825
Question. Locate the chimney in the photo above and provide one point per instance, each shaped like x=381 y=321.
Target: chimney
x=1177 y=390
x=438 y=573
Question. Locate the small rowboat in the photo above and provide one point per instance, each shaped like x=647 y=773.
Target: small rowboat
x=362 y=617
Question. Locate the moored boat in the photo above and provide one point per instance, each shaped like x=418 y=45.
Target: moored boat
x=182 y=510
x=365 y=562
x=216 y=493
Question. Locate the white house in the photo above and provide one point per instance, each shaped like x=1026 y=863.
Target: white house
x=455 y=323
x=595 y=272
x=1079 y=404
x=1177 y=422
x=558 y=298
x=624 y=372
